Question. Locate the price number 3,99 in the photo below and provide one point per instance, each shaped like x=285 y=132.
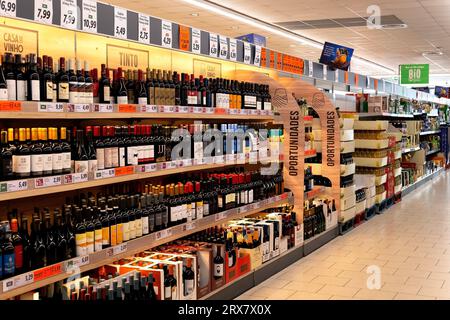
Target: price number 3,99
x=8 y=8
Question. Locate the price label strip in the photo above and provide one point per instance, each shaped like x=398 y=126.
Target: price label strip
x=47 y=182
x=43 y=11
x=104 y=108
x=213 y=45
x=114 y=251
x=8 y=8
x=223 y=47
x=69 y=14
x=76 y=263
x=51 y=107
x=89 y=16
x=18 y=281
x=189 y=226
x=13 y=186
x=48 y=272
x=120 y=23
x=75 y=178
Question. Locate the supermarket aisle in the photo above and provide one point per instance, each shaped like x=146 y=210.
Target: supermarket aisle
x=410 y=243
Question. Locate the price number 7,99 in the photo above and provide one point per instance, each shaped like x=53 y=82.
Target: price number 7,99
x=44 y=14
x=69 y=19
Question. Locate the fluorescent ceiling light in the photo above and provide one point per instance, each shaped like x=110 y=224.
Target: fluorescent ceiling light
x=232 y=14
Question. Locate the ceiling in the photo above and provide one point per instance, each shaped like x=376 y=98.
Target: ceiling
x=428 y=27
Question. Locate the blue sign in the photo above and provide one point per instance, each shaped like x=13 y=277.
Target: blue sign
x=441 y=92
x=336 y=56
x=254 y=38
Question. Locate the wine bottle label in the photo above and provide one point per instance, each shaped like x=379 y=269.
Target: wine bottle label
x=105 y=236
x=229 y=198
x=122 y=99
x=98 y=239
x=218 y=269
x=243 y=197
x=132 y=156
x=258 y=105
x=188 y=287
x=49 y=90
x=184 y=211
x=90 y=242
x=267 y=105
x=167 y=293
x=189 y=212
x=142 y=100
x=277 y=243
x=174 y=293
x=141 y=154
x=193 y=213
x=100 y=158
x=48 y=162
x=250 y=196
x=4 y=94
x=205 y=209
x=145 y=226
x=220 y=202
x=119 y=233
x=63 y=89
x=173 y=215
x=198 y=150
x=82 y=166
x=80 y=243
x=22 y=164
x=73 y=92
x=18 y=255
x=151 y=152
x=132 y=229
x=12 y=93
x=126 y=231
x=230 y=260
x=192 y=98
x=113 y=234
x=204 y=100
x=35 y=90
x=106 y=94
x=250 y=102
x=37 y=163
x=8 y=265
x=90 y=97
x=66 y=160
x=57 y=161
x=115 y=157
x=199 y=207
x=92 y=165
x=108 y=158
x=122 y=157
x=21 y=90
x=159 y=219
x=138 y=227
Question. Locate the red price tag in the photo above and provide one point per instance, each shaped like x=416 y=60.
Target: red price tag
x=127 y=108
x=10 y=106
x=124 y=171
x=47 y=272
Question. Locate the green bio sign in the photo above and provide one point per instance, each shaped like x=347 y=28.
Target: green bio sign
x=414 y=73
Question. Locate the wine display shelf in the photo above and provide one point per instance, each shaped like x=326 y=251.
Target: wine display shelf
x=385 y=115
x=44 y=110
x=38 y=278
x=408 y=189
x=17 y=189
x=408 y=150
x=433 y=152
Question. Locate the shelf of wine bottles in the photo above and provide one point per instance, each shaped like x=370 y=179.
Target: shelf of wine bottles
x=28 y=281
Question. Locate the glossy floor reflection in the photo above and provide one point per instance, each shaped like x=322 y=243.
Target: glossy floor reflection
x=409 y=244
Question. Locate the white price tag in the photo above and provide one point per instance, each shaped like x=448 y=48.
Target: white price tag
x=244 y=111
x=13 y=186
x=190 y=226
x=76 y=263
x=144 y=28
x=169 y=109
x=43 y=11
x=220 y=216
x=161 y=234
x=171 y=164
x=247 y=53
x=69 y=14
x=114 y=251
x=196 y=41
x=229 y=158
x=187 y=162
x=8 y=8
x=208 y=160
x=79 y=107
x=18 y=281
x=166 y=34
x=89 y=16
x=151 y=109
x=46 y=182
x=233 y=49
x=234 y=111
x=150 y=167
x=310 y=68
x=197 y=109
x=253 y=112
x=257 y=61
x=223 y=47
x=219 y=159
x=240 y=158
x=213 y=45
x=109 y=173
x=51 y=107
x=198 y=161
x=120 y=23
x=75 y=178
x=253 y=157
x=104 y=108
x=182 y=109
x=209 y=110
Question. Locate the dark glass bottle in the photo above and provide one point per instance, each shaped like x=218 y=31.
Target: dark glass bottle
x=62 y=80
x=90 y=149
x=104 y=89
x=17 y=242
x=33 y=80
x=22 y=157
x=60 y=239
x=37 y=255
x=81 y=155
x=6 y=158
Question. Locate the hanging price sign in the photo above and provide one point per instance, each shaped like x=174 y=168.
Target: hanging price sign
x=166 y=34
x=213 y=45
x=196 y=41
x=144 y=29
x=69 y=14
x=223 y=47
x=257 y=61
x=8 y=8
x=233 y=50
x=247 y=53
x=120 y=23
x=43 y=11
x=89 y=16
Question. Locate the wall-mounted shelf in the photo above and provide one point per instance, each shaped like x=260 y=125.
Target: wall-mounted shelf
x=28 y=281
x=433 y=152
x=425 y=133
x=385 y=115
x=408 y=150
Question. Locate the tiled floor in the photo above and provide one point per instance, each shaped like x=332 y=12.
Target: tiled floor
x=405 y=251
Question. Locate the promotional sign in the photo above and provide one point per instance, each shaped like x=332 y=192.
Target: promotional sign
x=18 y=41
x=254 y=38
x=247 y=53
x=69 y=14
x=120 y=23
x=166 y=36
x=89 y=16
x=196 y=41
x=184 y=38
x=8 y=8
x=442 y=92
x=144 y=28
x=126 y=58
x=336 y=56
x=223 y=47
x=414 y=73
x=43 y=11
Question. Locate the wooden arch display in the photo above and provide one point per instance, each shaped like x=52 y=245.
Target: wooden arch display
x=288 y=113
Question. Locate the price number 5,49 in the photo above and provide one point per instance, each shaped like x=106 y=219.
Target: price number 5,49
x=120 y=31
x=8 y=7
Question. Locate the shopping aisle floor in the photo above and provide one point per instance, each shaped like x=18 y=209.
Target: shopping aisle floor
x=409 y=243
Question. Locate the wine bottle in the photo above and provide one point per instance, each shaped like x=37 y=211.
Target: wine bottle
x=17 y=242
x=99 y=148
x=57 y=159
x=37 y=156
x=22 y=157
x=10 y=75
x=82 y=158
x=33 y=79
x=65 y=150
x=88 y=85
x=90 y=149
x=7 y=172
x=188 y=278
x=104 y=86
x=81 y=84
x=62 y=80
x=121 y=91
x=3 y=85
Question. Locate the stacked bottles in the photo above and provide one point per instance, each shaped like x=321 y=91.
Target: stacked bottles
x=72 y=81
x=316 y=214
